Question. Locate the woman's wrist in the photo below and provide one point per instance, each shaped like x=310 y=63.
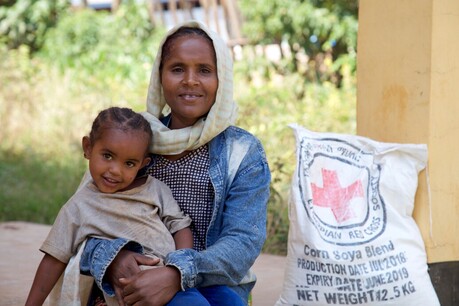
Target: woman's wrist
x=175 y=277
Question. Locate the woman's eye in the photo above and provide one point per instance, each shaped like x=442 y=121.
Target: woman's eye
x=177 y=69
x=205 y=70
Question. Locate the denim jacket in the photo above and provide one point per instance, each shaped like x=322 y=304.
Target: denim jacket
x=240 y=176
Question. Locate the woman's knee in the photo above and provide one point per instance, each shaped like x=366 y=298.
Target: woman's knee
x=221 y=296
x=189 y=297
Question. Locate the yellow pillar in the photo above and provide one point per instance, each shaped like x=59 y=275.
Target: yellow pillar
x=408 y=92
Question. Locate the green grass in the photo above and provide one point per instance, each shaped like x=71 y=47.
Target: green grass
x=34 y=187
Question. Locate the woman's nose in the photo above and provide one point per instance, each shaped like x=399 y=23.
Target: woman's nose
x=190 y=78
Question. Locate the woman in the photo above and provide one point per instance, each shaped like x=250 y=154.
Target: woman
x=217 y=172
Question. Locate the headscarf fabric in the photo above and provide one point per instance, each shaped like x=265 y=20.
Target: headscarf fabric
x=221 y=115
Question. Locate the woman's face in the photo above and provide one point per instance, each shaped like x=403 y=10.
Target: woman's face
x=189 y=79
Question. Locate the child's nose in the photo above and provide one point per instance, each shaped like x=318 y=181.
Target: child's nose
x=115 y=169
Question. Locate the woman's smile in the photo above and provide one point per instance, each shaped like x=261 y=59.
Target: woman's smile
x=190 y=96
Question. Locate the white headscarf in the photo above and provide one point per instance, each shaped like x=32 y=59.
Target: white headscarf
x=221 y=115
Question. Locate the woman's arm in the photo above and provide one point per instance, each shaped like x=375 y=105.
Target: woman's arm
x=238 y=231
x=241 y=236
x=48 y=273
x=232 y=253
x=235 y=239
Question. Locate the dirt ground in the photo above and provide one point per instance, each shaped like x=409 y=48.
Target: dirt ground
x=19 y=258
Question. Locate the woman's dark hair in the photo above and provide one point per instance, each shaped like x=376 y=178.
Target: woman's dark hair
x=120 y=118
x=181 y=32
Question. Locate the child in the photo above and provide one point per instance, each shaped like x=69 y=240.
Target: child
x=115 y=203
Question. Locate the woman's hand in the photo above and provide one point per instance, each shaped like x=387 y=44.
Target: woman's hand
x=126 y=264
x=151 y=287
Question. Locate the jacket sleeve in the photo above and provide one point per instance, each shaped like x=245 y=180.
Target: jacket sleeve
x=239 y=232
x=98 y=254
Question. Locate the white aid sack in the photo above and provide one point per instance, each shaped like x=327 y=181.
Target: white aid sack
x=352 y=239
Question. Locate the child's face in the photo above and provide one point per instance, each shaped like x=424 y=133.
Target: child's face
x=115 y=158
x=189 y=80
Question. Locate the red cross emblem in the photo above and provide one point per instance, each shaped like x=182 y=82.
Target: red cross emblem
x=335 y=197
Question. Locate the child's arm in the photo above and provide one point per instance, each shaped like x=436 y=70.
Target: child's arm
x=183 y=239
x=48 y=273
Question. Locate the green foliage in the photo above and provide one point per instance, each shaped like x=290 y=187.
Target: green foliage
x=25 y=22
x=43 y=116
x=38 y=168
x=94 y=60
x=316 y=32
x=104 y=48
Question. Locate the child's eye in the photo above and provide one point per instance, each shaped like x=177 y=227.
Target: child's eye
x=107 y=156
x=130 y=164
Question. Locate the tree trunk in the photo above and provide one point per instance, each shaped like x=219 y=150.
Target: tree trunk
x=233 y=19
